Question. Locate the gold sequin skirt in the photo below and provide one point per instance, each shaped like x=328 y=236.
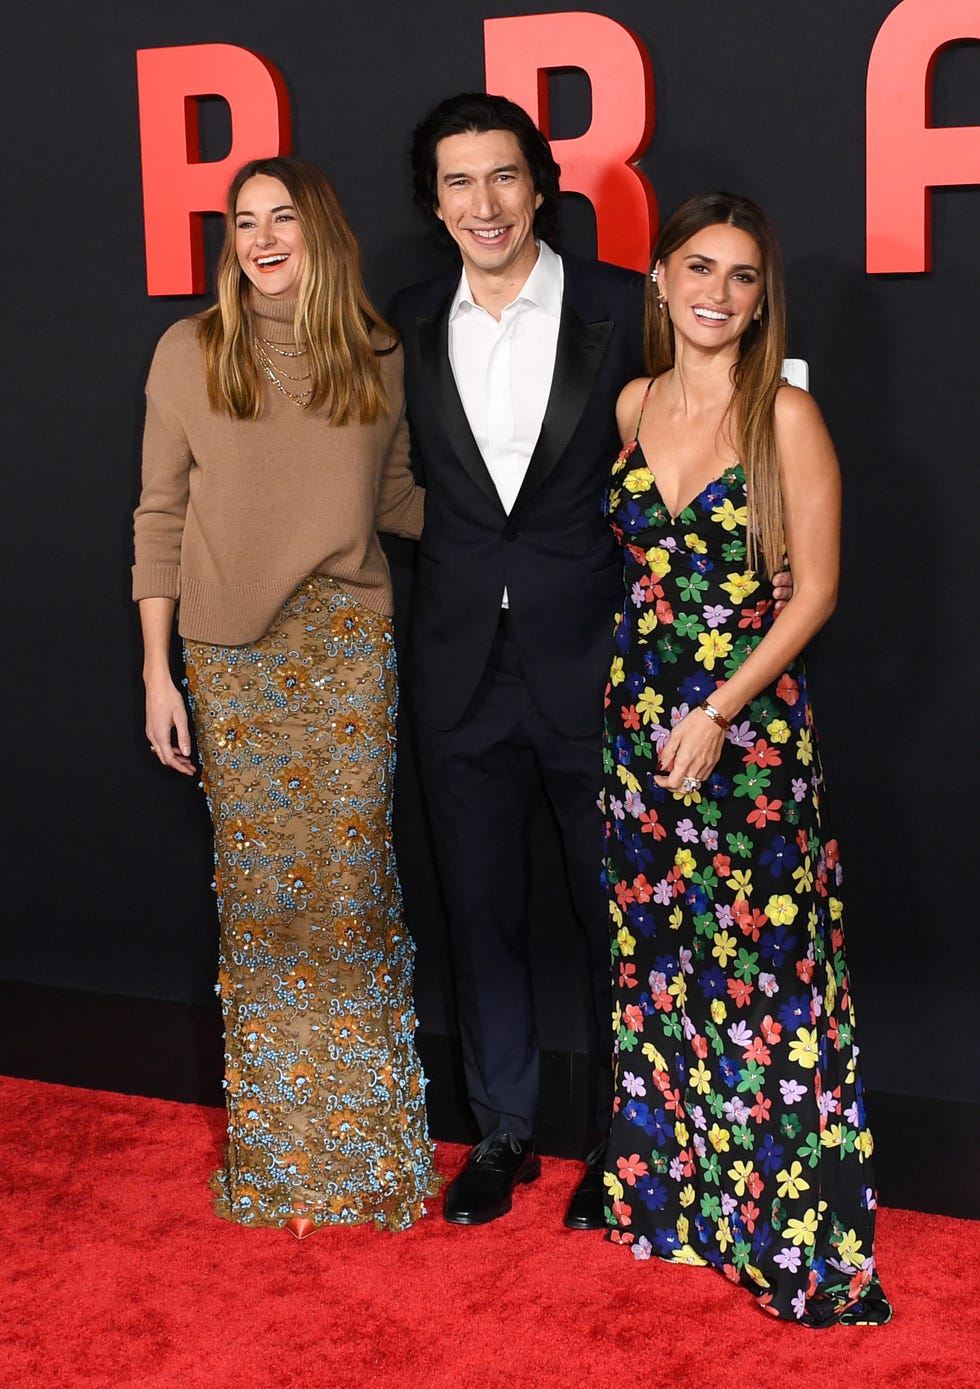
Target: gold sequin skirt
x=325 y=1094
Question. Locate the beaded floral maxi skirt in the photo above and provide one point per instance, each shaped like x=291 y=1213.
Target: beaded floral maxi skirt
x=324 y=1090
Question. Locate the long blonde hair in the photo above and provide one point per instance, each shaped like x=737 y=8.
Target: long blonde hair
x=756 y=375
x=334 y=318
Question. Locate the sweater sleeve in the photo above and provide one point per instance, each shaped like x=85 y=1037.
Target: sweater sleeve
x=158 y=523
x=399 y=505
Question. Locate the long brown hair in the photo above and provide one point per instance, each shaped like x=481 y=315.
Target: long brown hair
x=756 y=375
x=334 y=318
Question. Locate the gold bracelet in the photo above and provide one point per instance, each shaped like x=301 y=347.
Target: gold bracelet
x=713 y=714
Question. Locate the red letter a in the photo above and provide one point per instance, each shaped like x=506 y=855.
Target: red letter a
x=907 y=156
x=177 y=186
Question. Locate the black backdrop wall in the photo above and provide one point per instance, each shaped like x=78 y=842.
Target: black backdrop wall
x=107 y=883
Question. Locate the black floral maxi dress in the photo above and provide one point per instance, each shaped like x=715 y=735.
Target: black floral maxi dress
x=739 y=1136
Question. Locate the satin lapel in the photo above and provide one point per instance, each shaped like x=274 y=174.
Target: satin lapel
x=581 y=348
x=434 y=351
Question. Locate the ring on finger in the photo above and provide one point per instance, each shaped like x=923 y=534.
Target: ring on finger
x=690 y=783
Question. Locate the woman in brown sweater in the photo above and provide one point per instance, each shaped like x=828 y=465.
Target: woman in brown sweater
x=275 y=448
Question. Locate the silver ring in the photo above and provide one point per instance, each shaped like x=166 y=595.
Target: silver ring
x=690 y=783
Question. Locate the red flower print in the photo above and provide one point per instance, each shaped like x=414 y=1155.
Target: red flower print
x=788 y=690
x=624 y=894
x=740 y=991
x=752 y=617
x=755 y=1185
x=631 y=1168
x=630 y=716
x=750 y=1214
x=650 y=824
x=665 y=613
x=699 y=1045
x=765 y=811
x=832 y=853
x=642 y=889
x=804 y=969
x=627 y=976
x=633 y=1017
x=771 y=1030
x=760 y=1110
x=722 y=865
x=758 y=1051
x=623 y=1211
x=763 y=754
x=750 y=919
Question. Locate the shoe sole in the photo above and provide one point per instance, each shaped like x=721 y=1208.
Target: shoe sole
x=530 y=1173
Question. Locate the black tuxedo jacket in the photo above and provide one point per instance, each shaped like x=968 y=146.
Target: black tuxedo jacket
x=555 y=552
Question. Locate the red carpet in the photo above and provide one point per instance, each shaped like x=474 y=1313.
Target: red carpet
x=115 y=1273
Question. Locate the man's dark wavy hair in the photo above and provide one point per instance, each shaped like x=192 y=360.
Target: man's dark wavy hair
x=478 y=112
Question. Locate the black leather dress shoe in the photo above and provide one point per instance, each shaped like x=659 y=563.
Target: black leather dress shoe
x=483 y=1189
x=585 y=1209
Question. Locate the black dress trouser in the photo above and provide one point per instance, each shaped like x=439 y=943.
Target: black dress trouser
x=479 y=780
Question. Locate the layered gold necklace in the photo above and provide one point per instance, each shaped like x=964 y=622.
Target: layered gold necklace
x=277 y=374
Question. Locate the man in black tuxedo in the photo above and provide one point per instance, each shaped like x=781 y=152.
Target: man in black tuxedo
x=512 y=369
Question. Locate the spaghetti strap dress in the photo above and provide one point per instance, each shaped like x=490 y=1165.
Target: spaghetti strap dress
x=739 y=1138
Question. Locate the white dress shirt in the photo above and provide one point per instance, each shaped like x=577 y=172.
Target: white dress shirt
x=503 y=369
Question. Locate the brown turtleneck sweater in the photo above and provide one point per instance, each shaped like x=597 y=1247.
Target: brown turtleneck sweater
x=235 y=513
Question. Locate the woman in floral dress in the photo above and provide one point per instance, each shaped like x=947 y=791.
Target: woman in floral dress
x=739 y=1137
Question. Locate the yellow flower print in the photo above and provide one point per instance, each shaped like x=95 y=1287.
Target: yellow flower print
x=804 y=747
x=740 y=881
x=675 y=919
x=781 y=909
x=615 y=912
x=686 y=1255
x=700 y=1078
x=728 y=516
x=849 y=1249
x=686 y=1195
x=803 y=1231
x=833 y=1136
x=613 y=1185
x=683 y=1229
x=684 y=860
x=836 y=908
x=718 y=1011
x=678 y=988
x=638 y=480
x=719 y=1138
x=740 y=1173
x=791 y=1183
x=681 y=1133
x=646 y=624
x=723 y=948
x=803 y=1048
x=626 y=942
x=865 y=1143
x=617 y=1017
x=724 y=1235
x=616 y=674
x=739 y=586
x=712 y=646
x=659 y=561
x=778 y=731
x=627 y=777
x=650 y=705
x=695 y=544
x=653 y=1056
x=803 y=876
